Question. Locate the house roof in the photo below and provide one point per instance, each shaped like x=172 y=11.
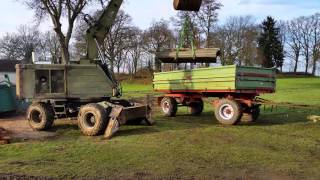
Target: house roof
x=8 y=65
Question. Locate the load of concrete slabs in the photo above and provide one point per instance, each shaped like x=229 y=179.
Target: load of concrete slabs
x=187 y=55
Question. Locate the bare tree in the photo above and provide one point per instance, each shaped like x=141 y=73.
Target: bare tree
x=20 y=45
x=57 y=10
x=294 y=42
x=237 y=40
x=29 y=40
x=207 y=18
x=158 y=37
x=305 y=32
x=9 y=47
x=79 y=36
x=135 y=51
x=315 y=44
x=117 y=41
x=50 y=47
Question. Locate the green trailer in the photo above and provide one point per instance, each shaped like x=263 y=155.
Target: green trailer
x=235 y=87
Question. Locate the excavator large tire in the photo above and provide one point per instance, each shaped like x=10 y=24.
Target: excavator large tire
x=187 y=5
x=92 y=119
x=40 y=116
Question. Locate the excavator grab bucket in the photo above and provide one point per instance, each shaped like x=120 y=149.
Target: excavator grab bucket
x=187 y=5
x=121 y=114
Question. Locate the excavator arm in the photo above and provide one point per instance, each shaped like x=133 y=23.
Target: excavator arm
x=99 y=29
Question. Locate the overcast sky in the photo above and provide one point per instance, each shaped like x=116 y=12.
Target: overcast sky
x=13 y=13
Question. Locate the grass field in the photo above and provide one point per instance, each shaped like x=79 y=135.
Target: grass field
x=282 y=145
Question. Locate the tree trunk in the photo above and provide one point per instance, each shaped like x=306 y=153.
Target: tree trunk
x=314 y=68
x=296 y=64
x=28 y=56
x=135 y=66
x=157 y=65
x=64 y=45
x=307 y=67
x=65 y=54
x=207 y=44
x=118 y=69
x=307 y=62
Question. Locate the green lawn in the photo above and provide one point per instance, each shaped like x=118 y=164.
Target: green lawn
x=282 y=145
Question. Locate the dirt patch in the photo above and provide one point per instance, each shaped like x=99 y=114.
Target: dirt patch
x=4 y=136
x=18 y=129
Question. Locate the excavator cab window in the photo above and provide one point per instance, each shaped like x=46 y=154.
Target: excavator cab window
x=50 y=81
x=57 y=81
x=42 y=82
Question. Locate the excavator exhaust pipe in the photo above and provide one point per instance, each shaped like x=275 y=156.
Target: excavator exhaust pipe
x=187 y=5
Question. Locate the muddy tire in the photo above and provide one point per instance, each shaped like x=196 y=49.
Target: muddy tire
x=92 y=119
x=196 y=108
x=40 y=116
x=169 y=106
x=228 y=112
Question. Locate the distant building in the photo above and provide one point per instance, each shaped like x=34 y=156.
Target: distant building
x=8 y=67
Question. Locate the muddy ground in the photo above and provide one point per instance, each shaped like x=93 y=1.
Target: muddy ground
x=18 y=129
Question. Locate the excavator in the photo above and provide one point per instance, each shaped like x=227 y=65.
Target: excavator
x=87 y=91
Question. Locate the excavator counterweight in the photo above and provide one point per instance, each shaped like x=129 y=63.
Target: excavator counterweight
x=187 y=5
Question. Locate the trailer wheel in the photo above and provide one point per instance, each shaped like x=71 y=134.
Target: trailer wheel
x=196 y=108
x=40 y=116
x=255 y=113
x=169 y=106
x=92 y=119
x=228 y=112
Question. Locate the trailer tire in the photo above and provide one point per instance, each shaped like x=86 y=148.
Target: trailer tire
x=255 y=113
x=40 y=116
x=169 y=106
x=92 y=119
x=228 y=112
x=196 y=108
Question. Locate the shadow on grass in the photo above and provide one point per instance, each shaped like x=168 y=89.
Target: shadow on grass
x=123 y=132
x=60 y=127
x=281 y=118
x=184 y=121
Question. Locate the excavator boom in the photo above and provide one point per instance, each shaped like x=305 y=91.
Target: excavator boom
x=97 y=31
